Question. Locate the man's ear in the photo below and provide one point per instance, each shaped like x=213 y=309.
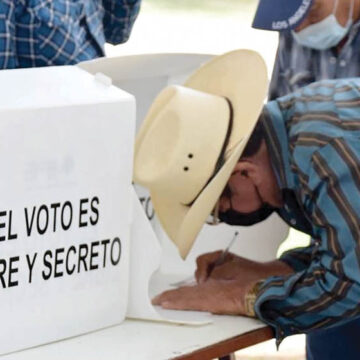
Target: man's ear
x=248 y=170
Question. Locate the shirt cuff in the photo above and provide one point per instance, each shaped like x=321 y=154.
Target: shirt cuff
x=275 y=289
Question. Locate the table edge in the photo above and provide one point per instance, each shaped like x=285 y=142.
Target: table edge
x=228 y=346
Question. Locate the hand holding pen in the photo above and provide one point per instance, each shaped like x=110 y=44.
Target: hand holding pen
x=206 y=265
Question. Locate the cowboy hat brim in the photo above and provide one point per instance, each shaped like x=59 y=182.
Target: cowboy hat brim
x=241 y=77
x=190 y=220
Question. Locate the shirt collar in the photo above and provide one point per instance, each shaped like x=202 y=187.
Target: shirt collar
x=278 y=145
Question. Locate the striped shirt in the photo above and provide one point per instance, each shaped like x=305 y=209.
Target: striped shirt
x=297 y=66
x=313 y=136
x=61 y=32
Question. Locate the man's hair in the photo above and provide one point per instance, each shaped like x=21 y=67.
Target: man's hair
x=256 y=138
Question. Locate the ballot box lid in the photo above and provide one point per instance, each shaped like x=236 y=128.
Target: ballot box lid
x=55 y=86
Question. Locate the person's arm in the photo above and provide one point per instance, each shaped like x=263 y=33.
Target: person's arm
x=8 y=59
x=223 y=295
x=119 y=19
x=235 y=266
x=328 y=291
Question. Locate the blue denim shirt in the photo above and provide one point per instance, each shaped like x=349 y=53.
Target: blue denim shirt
x=297 y=66
x=61 y=32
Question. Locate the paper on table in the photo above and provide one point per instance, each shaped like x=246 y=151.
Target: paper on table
x=145 y=260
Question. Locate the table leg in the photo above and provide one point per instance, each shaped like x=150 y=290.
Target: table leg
x=228 y=357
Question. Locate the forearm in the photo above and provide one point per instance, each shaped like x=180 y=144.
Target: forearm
x=276 y=268
x=263 y=270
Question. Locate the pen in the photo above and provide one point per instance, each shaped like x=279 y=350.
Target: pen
x=218 y=262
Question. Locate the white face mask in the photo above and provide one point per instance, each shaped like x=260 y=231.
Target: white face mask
x=325 y=34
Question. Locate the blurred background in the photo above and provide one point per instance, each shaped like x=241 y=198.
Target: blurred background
x=211 y=27
x=200 y=26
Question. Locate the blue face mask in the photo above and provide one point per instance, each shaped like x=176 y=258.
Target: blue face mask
x=324 y=34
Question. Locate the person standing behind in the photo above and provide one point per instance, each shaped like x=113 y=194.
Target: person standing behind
x=318 y=40
x=61 y=32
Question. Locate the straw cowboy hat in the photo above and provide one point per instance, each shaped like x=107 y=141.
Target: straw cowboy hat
x=192 y=138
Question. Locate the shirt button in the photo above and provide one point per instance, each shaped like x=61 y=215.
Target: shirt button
x=332 y=60
x=342 y=63
x=293 y=222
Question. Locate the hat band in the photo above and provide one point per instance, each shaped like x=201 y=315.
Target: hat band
x=221 y=158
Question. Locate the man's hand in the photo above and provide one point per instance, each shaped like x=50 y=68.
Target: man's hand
x=221 y=289
x=237 y=267
x=224 y=297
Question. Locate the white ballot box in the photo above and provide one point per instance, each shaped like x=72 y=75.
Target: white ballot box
x=66 y=149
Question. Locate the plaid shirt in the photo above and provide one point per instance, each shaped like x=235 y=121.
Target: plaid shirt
x=59 y=32
x=297 y=66
x=313 y=139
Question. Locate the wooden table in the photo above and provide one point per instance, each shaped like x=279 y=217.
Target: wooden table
x=142 y=340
